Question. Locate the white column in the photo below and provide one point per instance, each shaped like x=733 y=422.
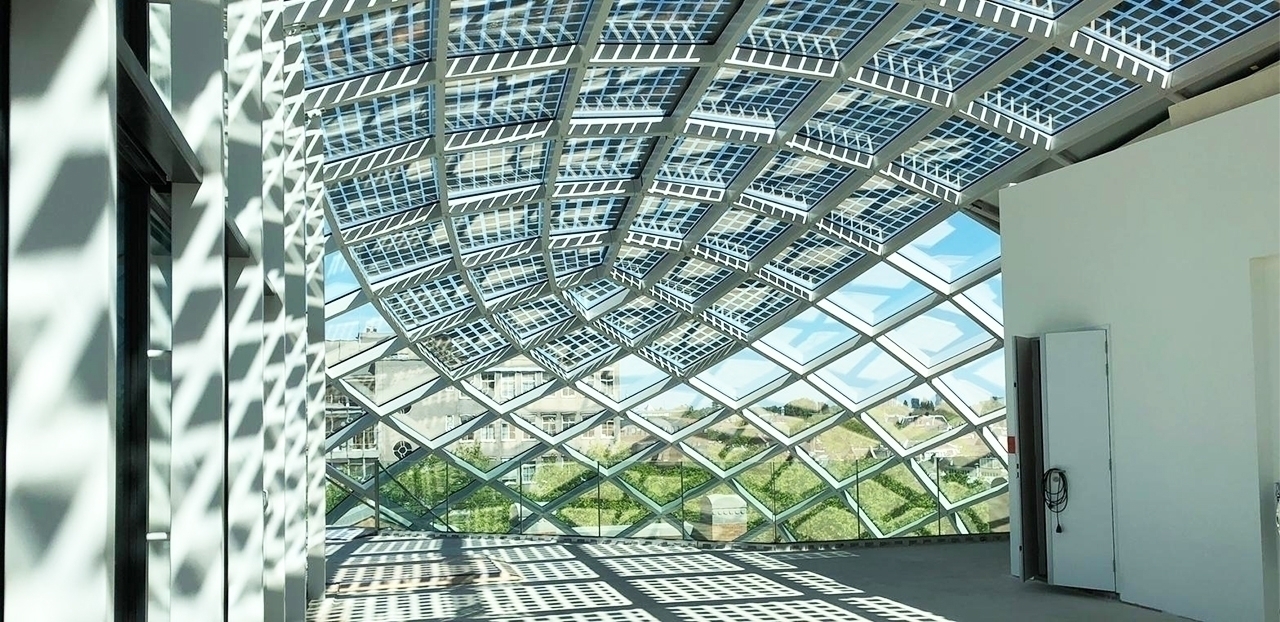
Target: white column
x=199 y=328
x=248 y=352
x=60 y=310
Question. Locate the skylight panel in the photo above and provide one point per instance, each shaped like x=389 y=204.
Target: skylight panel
x=603 y=158
x=864 y=373
x=742 y=233
x=672 y=218
x=958 y=153
x=798 y=181
x=591 y=294
x=1169 y=33
x=689 y=344
x=666 y=21
x=878 y=294
x=495 y=101
x=638 y=317
x=403 y=251
x=939 y=334
x=1045 y=8
x=368 y=43
x=464 y=344
x=377 y=123
x=814 y=28
x=954 y=248
x=573 y=350
x=943 y=51
x=705 y=162
x=1056 y=90
x=813 y=260
x=878 y=210
x=693 y=278
x=586 y=215
x=369 y=197
x=637 y=261
x=862 y=120
x=488 y=26
x=498 y=227
x=430 y=301
x=493 y=281
x=497 y=168
x=531 y=318
x=750 y=305
x=752 y=97
x=630 y=91
x=808 y=336
x=564 y=263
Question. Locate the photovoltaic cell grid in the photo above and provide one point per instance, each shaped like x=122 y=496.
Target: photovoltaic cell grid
x=364 y=44
x=1055 y=91
x=822 y=29
x=942 y=50
x=639 y=204
x=862 y=120
x=1171 y=32
x=476 y=103
x=363 y=126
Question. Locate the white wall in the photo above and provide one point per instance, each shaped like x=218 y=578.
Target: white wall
x=1154 y=241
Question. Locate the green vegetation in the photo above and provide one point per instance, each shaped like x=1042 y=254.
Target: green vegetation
x=333 y=495
x=780 y=484
x=829 y=520
x=664 y=482
x=894 y=498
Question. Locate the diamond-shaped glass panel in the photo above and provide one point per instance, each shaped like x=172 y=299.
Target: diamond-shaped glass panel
x=808 y=336
x=368 y=43
x=847 y=450
x=796 y=408
x=989 y=296
x=476 y=103
x=954 y=248
x=916 y=416
x=741 y=374
x=878 y=294
x=823 y=28
x=675 y=409
x=980 y=384
x=730 y=441
x=506 y=25
x=940 y=334
x=666 y=21
x=943 y=51
x=863 y=373
x=958 y=154
x=862 y=120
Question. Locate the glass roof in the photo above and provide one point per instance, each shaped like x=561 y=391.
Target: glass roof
x=696 y=215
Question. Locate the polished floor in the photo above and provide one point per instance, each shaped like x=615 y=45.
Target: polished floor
x=404 y=578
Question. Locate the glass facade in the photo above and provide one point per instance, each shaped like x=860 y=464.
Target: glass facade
x=690 y=270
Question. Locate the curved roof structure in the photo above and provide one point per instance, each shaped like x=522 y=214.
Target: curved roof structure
x=744 y=205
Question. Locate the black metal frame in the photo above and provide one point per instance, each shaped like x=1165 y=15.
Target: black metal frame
x=1030 y=439
x=152 y=155
x=4 y=267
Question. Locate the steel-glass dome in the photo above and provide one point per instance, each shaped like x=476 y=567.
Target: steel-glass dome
x=597 y=266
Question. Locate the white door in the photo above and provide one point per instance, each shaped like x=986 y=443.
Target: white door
x=1077 y=440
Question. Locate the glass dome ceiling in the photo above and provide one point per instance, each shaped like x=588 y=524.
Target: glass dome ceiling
x=749 y=202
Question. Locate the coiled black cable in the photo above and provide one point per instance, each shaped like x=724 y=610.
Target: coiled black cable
x=1054 y=484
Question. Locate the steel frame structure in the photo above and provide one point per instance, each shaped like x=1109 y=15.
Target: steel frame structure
x=1096 y=36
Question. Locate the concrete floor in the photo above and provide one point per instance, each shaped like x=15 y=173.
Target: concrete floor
x=409 y=578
